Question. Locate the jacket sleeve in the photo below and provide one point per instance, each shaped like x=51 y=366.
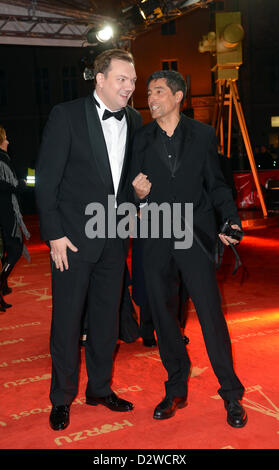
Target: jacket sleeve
x=8 y=180
x=219 y=192
x=52 y=159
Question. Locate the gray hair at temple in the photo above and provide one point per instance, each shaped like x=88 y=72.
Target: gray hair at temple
x=174 y=81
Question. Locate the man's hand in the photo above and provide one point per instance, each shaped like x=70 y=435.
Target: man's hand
x=225 y=239
x=58 y=252
x=141 y=185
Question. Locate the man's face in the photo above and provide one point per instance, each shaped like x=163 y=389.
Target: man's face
x=117 y=86
x=161 y=101
x=5 y=143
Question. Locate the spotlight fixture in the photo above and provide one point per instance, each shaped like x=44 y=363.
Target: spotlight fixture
x=142 y=13
x=88 y=74
x=136 y=15
x=150 y=9
x=105 y=34
x=201 y=3
x=102 y=35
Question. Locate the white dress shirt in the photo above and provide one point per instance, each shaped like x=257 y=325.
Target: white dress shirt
x=115 y=134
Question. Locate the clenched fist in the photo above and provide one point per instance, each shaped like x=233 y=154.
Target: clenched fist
x=141 y=185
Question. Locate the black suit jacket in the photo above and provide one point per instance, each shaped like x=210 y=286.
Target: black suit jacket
x=197 y=177
x=73 y=170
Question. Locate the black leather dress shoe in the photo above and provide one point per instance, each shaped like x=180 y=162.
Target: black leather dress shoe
x=236 y=415
x=59 y=417
x=149 y=342
x=112 y=401
x=167 y=407
x=3 y=304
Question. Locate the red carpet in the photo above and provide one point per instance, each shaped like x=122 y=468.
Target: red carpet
x=252 y=313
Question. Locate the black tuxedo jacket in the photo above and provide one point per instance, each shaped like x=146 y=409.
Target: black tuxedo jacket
x=196 y=178
x=73 y=170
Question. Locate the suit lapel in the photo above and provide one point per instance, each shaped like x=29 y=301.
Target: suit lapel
x=126 y=155
x=98 y=144
x=185 y=143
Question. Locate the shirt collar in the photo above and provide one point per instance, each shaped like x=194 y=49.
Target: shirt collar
x=177 y=131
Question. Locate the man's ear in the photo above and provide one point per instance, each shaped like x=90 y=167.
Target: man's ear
x=179 y=96
x=100 y=79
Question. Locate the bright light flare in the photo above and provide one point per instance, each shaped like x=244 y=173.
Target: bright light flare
x=105 y=34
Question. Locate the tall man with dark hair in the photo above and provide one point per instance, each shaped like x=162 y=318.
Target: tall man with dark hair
x=83 y=159
x=175 y=160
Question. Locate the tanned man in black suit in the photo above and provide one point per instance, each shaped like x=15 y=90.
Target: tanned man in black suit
x=175 y=161
x=83 y=159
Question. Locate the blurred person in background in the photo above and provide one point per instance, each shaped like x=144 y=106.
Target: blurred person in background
x=11 y=222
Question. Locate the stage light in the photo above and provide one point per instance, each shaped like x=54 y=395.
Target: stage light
x=137 y=15
x=142 y=13
x=105 y=34
x=150 y=8
x=191 y=2
x=88 y=74
x=102 y=35
x=274 y=121
x=30 y=178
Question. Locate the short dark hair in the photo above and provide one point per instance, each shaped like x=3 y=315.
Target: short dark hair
x=103 y=60
x=174 y=81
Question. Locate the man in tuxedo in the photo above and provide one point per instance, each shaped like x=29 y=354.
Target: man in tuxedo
x=175 y=160
x=84 y=158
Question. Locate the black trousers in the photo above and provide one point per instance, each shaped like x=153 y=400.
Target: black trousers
x=12 y=246
x=180 y=305
x=140 y=293
x=199 y=277
x=100 y=284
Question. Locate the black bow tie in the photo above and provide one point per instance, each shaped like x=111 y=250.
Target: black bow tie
x=118 y=114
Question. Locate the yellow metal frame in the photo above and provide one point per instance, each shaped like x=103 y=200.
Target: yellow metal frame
x=232 y=98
